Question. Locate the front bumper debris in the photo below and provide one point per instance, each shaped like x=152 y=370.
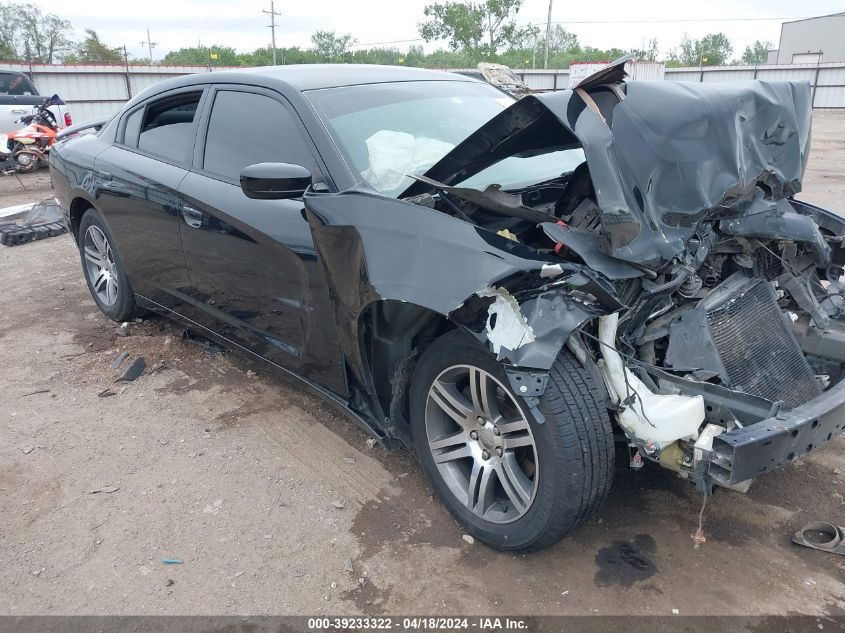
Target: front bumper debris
x=759 y=448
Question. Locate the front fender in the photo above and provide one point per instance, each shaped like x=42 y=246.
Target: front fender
x=518 y=301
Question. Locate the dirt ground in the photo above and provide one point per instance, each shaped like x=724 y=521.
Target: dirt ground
x=275 y=505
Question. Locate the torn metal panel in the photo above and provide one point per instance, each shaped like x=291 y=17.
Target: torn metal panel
x=587 y=245
x=663 y=159
x=777 y=220
x=491 y=199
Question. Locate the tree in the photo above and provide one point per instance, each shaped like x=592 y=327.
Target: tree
x=479 y=28
x=45 y=37
x=757 y=53
x=92 y=50
x=648 y=54
x=331 y=47
x=28 y=34
x=201 y=56
x=713 y=49
x=562 y=41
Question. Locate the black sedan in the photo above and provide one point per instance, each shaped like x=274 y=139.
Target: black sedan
x=517 y=289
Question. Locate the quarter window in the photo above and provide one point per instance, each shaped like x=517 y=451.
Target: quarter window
x=169 y=128
x=247 y=128
x=133 y=127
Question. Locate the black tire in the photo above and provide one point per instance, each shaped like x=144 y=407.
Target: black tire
x=124 y=308
x=574 y=445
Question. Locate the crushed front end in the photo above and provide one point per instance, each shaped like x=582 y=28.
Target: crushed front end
x=714 y=316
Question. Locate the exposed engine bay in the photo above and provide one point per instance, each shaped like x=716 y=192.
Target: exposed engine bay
x=731 y=313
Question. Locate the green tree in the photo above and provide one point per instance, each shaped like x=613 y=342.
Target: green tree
x=713 y=49
x=202 y=56
x=648 y=54
x=479 y=28
x=562 y=41
x=331 y=47
x=757 y=53
x=92 y=50
x=28 y=34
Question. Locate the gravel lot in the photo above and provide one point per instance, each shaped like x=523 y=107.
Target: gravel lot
x=276 y=505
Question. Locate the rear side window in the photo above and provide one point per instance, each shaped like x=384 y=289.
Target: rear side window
x=169 y=128
x=247 y=128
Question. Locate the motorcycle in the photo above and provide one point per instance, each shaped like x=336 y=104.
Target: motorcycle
x=24 y=150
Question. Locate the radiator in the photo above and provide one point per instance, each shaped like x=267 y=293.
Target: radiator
x=755 y=343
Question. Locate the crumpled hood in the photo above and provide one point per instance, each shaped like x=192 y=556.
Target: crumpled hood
x=661 y=159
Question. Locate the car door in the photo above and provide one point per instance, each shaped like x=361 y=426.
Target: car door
x=137 y=182
x=253 y=268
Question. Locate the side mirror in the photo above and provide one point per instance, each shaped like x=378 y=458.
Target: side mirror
x=275 y=181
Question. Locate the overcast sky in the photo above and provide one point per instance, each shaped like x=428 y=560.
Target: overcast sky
x=242 y=25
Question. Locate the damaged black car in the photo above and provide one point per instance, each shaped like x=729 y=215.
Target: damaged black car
x=522 y=291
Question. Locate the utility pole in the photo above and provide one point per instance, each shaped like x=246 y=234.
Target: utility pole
x=126 y=76
x=150 y=45
x=548 y=35
x=272 y=13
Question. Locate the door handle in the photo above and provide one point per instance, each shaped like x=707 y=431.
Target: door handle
x=18 y=111
x=192 y=216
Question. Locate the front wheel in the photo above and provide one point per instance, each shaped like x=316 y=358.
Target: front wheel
x=512 y=481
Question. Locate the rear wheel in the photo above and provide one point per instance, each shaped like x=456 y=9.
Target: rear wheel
x=512 y=481
x=103 y=269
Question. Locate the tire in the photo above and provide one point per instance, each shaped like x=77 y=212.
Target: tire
x=572 y=450
x=116 y=300
x=33 y=166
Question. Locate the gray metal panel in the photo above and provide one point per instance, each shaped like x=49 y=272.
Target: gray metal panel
x=830 y=97
x=832 y=76
x=681 y=74
x=779 y=73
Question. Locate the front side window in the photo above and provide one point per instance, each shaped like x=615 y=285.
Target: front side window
x=169 y=128
x=247 y=128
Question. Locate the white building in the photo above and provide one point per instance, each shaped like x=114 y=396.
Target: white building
x=811 y=41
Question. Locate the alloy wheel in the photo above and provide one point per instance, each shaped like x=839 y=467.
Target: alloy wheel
x=481 y=443
x=100 y=266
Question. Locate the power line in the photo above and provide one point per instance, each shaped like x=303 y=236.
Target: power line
x=416 y=39
x=636 y=21
x=676 y=20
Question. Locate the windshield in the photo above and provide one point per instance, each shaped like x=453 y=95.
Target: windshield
x=387 y=131
x=15 y=84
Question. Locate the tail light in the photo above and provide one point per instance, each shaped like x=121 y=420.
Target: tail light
x=68 y=119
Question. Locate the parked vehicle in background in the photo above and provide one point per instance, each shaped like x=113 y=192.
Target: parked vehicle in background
x=519 y=289
x=498 y=75
x=26 y=149
x=19 y=97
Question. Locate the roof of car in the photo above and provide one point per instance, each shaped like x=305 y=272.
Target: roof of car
x=314 y=76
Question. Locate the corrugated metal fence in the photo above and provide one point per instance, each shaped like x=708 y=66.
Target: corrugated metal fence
x=827 y=80
x=98 y=91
